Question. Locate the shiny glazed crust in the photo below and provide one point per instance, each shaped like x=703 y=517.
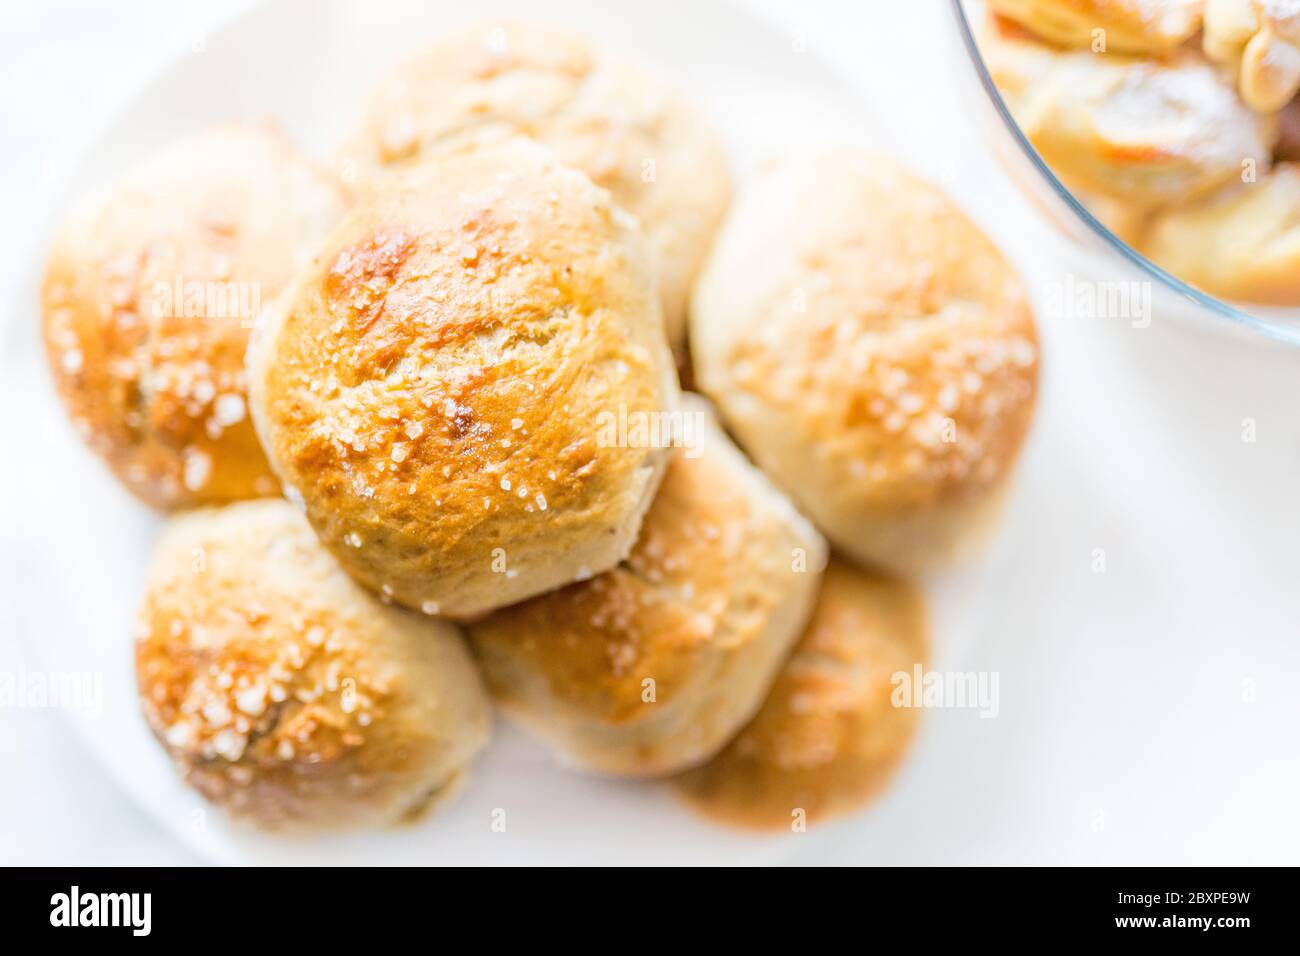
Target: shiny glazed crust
x=149 y=295
x=432 y=388
x=653 y=666
x=609 y=116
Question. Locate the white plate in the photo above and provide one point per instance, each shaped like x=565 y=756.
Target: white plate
x=1122 y=735
x=308 y=64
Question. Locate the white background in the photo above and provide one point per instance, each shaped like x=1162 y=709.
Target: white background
x=1122 y=694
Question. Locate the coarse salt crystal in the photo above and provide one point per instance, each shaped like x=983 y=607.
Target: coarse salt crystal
x=252 y=701
x=229 y=410
x=197 y=468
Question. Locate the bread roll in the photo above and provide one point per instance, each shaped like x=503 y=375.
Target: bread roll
x=872 y=351
x=285 y=693
x=609 y=116
x=1147 y=131
x=1241 y=243
x=433 y=387
x=1119 y=26
x=652 y=667
x=149 y=295
x=828 y=737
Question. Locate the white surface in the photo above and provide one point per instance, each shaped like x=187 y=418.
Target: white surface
x=1121 y=693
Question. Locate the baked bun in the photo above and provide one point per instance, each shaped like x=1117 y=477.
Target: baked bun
x=609 y=116
x=1142 y=130
x=829 y=737
x=1241 y=243
x=652 y=667
x=872 y=351
x=149 y=295
x=287 y=694
x=1260 y=40
x=432 y=388
x=1126 y=26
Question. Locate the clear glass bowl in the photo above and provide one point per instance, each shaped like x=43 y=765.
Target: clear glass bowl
x=1109 y=253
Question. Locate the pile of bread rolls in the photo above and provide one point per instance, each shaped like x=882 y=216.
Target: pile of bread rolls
x=1176 y=122
x=446 y=461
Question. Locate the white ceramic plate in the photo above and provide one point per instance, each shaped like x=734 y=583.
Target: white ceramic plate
x=308 y=64
x=1122 y=733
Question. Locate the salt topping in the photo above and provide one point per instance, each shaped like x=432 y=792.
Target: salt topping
x=197 y=468
x=229 y=410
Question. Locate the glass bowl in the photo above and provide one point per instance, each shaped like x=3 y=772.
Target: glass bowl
x=1104 y=252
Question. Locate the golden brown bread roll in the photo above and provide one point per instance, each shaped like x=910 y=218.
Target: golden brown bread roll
x=607 y=115
x=1260 y=40
x=872 y=351
x=287 y=694
x=1123 y=26
x=1141 y=130
x=828 y=737
x=432 y=387
x=653 y=666
x=1241 y=243
x=149 y=295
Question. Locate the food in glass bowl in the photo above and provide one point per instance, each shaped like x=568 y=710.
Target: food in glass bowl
x=1161 y=117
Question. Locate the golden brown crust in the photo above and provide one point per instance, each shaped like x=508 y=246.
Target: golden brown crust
x=871 y=349
x=287 y=694
x=828 y=738
x=1241 y=243
x=704 y=607
x=1124 y=26
x=149 y=296
x=432 y=387
x=1141 y=130
x=615 y=120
